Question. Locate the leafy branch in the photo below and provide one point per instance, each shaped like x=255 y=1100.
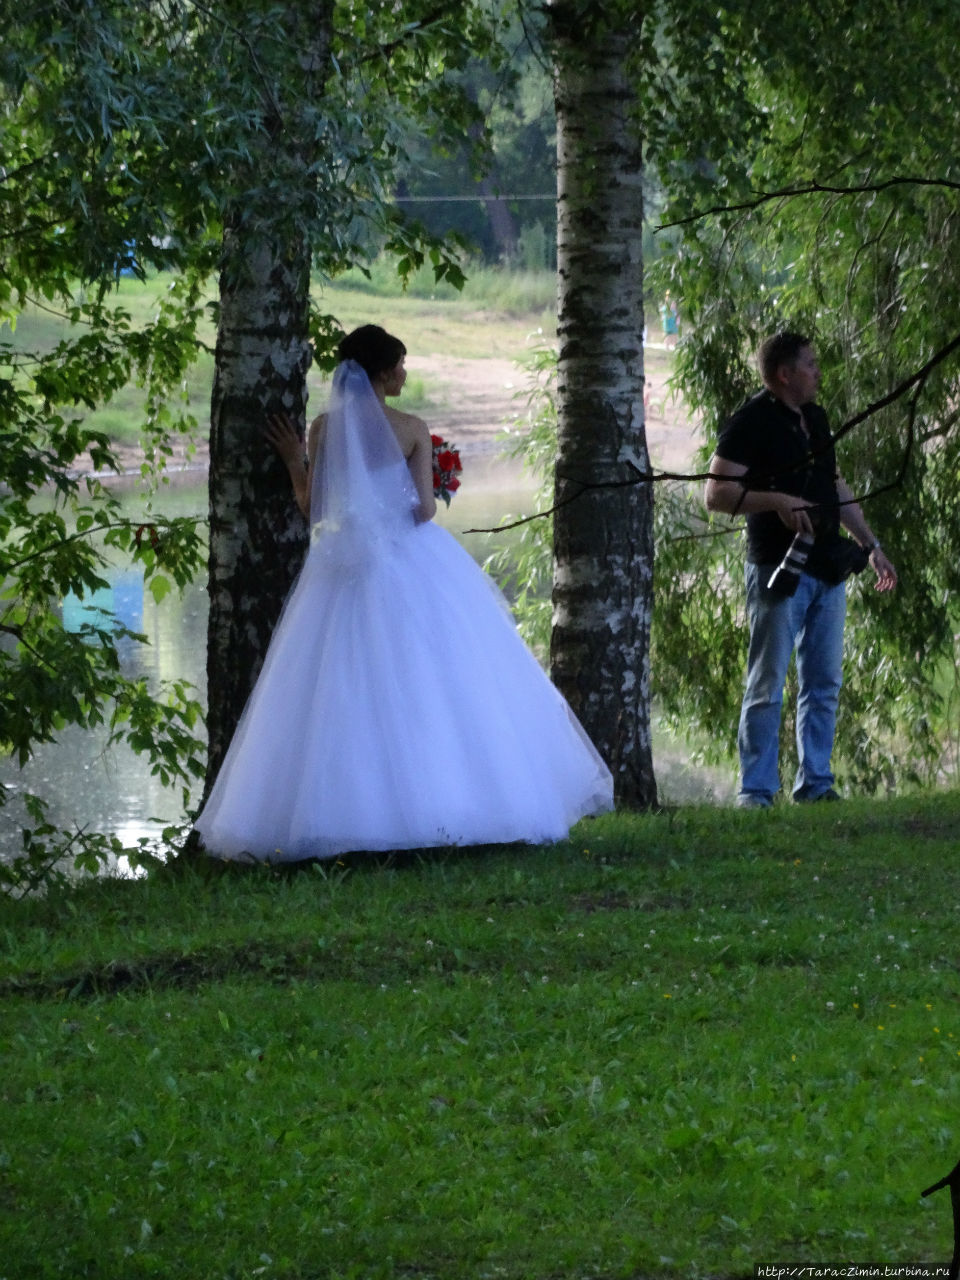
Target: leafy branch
x=12 y=566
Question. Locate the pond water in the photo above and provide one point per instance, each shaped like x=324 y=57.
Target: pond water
x=111 y=790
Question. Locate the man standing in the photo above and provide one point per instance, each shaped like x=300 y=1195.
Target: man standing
x=775 y=463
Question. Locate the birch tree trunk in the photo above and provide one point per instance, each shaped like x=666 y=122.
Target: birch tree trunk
x=257 y=535
x=603 y=537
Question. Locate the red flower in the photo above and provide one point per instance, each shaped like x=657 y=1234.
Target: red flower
x=446 y=464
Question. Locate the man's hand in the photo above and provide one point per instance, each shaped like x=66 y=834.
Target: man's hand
x=794 y=512
x=886 y=573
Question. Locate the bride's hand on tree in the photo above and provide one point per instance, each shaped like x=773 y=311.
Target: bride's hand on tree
x=281 y=432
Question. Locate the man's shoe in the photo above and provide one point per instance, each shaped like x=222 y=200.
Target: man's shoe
x=829 y=794
x=754 y=802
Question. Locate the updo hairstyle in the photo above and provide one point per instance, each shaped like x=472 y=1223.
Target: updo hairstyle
x=375 y=350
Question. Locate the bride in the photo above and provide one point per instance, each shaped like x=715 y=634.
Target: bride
x=397 y=707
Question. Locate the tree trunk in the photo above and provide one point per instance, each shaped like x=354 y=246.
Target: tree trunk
x=257 y=536
x=603 y=537
x=502 y=222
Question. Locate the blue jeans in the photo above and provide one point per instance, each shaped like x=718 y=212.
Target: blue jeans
x=812 y=622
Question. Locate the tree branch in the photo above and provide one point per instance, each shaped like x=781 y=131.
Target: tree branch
x=389 y=49
x=918 y=378
x=811 y=188
x=11 y=566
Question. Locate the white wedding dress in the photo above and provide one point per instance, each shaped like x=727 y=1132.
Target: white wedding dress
x=397 y=707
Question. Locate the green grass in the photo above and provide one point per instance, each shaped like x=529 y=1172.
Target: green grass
x=675 y=1046
x=456 y=325
x=502 y=290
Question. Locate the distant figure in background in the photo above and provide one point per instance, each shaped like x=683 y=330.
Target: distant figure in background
x=397 y=707
x=669 y=320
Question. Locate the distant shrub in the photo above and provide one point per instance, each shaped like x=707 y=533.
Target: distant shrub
x=536 y=248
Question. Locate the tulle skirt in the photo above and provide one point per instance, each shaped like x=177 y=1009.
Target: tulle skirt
x=398 y=708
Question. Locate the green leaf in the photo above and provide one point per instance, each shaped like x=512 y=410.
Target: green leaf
x=159 y=587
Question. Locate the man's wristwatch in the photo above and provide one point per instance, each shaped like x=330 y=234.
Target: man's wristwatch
x=874 y=546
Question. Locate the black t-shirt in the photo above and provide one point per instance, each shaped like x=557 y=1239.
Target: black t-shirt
x=767 y=438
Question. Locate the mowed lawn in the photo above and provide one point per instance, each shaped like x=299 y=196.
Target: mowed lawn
x=678 y=1045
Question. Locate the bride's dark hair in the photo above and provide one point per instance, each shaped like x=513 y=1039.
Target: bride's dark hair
x=373 y=348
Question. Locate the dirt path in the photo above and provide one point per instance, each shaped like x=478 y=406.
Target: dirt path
x=485 y=394
x=480 y=396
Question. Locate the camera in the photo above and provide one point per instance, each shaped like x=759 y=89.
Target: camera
x=786 y=576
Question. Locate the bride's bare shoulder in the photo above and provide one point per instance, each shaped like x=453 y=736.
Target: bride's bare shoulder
x=408 y=426
x=401 y=418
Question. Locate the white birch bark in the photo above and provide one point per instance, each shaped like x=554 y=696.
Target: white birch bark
x=603 y=539
x=257 y=536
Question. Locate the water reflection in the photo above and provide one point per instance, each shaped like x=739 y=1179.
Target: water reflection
x=91 y=786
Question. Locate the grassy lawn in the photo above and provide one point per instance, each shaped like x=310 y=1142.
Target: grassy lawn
x=675 y=1046
x=494 y=316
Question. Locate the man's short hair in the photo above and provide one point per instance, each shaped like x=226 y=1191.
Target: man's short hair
x=780 y=348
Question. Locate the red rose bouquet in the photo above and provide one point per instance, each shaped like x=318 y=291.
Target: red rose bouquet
x=446 y=469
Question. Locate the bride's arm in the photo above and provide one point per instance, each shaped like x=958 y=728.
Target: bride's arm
x=420 y=462
x=313 y=444
x=285 y=438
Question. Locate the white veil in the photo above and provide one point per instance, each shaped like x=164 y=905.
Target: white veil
x=362 y=490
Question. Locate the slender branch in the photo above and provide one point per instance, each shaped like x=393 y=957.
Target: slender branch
x=538 y=515
x=12 y=566
x=42 y=306
x=31 y=228
x=533 y=45
x=21 y=639
x=14 y=175
x=708 y=533
x=216 y=17
x=919 y=377
x=389 y=49
x=638 y=477
x=811 y=188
